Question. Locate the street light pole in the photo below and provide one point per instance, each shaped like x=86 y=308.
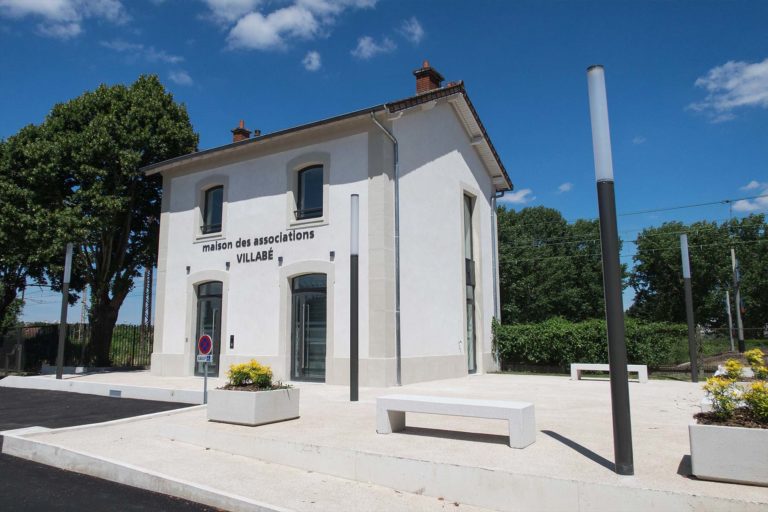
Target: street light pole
x=63 y=317
x=692 y=349
x=354 y=308
x=609 y=241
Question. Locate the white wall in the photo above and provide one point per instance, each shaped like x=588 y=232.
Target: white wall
x=256 y=205
x=438 y=165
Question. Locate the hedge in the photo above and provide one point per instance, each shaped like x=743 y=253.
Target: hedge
x=558 y=342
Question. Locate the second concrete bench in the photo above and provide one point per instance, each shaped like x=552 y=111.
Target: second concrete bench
x=577 y=368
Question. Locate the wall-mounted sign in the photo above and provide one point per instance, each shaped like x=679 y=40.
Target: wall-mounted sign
x=258 y=241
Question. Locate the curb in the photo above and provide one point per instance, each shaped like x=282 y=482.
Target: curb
x=127 y=474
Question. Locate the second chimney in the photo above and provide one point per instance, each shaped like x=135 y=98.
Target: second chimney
x=240 y=133
x=427 y=78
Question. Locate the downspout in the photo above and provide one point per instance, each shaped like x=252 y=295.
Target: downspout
x=391 y=137
x=495 y=251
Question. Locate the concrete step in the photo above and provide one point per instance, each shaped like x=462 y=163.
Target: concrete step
x=223 y=480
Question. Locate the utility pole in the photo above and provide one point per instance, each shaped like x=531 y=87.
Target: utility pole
x=692 y=349
x=609 y=241
x=730 y=319
x=736 y=285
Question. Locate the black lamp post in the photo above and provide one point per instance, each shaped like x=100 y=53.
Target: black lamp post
x=609 y=241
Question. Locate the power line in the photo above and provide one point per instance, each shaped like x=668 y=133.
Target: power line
x=722 y=201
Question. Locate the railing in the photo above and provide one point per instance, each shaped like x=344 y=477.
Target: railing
x=131 y=346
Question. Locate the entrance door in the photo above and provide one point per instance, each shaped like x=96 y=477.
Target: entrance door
x=308 y=327
x=469 y=292
x=209 y=322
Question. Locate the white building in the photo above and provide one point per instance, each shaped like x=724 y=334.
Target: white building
x=255 y=245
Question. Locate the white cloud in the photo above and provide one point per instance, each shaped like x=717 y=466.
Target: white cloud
x=565 y=187
x=259 y=32
x=758 y=203
x=521 y=196
x=136 y=50
x=180 y=77
x=257 y=25
x=638 y=139
x=731 y=86
x=229 y=11
x=368 y=48
x=312 y=61
x=412 y=30
x=754 y=185
x=63 y=19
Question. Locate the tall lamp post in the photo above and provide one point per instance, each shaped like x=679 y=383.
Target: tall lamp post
x=354 y=308
x=692 y=348
x=609 y=241
x=63 y=317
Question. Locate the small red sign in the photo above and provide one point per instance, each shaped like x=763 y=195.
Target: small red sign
x=205 y=345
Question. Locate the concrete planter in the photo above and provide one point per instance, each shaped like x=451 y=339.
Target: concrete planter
x=729 y=454
x=253 y=407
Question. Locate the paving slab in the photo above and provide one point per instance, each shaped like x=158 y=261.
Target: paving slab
x=567 y=468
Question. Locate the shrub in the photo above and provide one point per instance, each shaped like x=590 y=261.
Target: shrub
x=733 y=369
x=756 y=400
x=558 y=342
x=725 y=395
x=250 y=373
x=756 y=360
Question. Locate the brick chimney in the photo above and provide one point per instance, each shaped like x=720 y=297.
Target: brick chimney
x=241 y=133
x=427 y=78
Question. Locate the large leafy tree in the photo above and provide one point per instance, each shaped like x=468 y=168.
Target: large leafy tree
x=95 y=145
x=658 y=281
x=548 y=267
x=33 y=221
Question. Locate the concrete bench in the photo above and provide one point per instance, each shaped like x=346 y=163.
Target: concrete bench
x=391 y=409
x=577 y=368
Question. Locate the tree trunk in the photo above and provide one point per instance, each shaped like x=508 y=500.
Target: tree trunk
x=103 y=317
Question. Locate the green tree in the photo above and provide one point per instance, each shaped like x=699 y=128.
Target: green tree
x=95 y=144
x=548 y=267
x=657 y=275
x=32 y=221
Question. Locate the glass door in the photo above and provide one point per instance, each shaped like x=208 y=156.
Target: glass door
x=308 y=327
x=469 y=293
x=209 y=322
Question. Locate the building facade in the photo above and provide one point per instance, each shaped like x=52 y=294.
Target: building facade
x=255 y=245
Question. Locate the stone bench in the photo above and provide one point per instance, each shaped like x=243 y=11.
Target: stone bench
x=391 y=409
x=577 y=368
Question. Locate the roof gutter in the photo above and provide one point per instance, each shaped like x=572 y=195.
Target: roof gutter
x=398 y=363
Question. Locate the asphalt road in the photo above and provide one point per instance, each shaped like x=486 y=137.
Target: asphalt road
x=28 y=486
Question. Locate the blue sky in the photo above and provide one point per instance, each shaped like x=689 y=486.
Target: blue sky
x=687 y=83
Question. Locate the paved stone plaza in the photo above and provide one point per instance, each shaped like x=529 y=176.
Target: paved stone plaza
x=332 y=457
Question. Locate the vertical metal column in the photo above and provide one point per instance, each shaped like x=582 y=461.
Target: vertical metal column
x=609 y=241
x=354 y=330
x=737 y=285
x=693 y=351
x=63 y=317
x=730 y=319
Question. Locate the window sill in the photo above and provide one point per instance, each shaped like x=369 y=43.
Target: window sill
x=305 y=223
x=208 y=237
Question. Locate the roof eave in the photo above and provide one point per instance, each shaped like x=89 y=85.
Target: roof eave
x=237 y=146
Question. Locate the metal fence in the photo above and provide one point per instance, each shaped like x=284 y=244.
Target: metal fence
x=29 y=347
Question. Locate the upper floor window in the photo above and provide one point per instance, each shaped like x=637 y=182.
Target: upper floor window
x=214 y=198
x=309 y=200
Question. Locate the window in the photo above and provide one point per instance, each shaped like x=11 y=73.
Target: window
x=212 y=210
x=309 y=200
